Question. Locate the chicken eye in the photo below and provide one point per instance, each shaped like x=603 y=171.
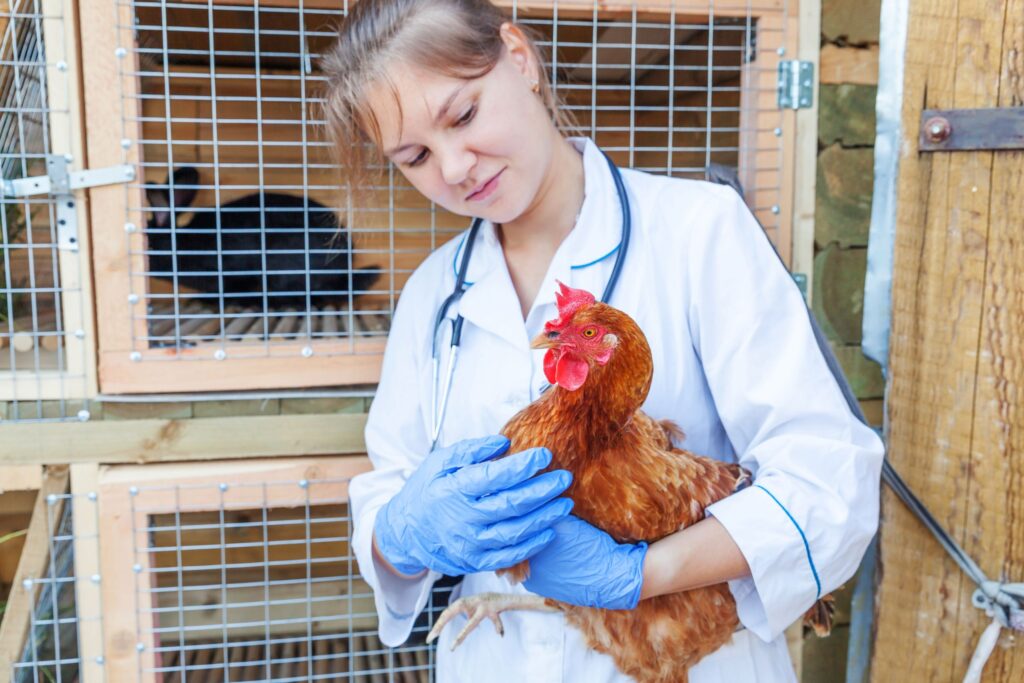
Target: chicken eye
x=589 y=332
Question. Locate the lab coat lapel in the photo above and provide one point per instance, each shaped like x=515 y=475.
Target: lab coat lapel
x=490 y=303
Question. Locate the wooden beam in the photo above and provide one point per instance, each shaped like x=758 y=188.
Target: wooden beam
x=144 y=441
x=20 y=478
x=85 y=532
x=32 y=565
x=854 y=65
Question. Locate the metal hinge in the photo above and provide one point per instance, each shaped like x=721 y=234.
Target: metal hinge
x=795 y=89
x=60 y=182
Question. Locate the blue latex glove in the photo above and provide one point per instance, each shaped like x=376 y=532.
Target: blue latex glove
x=461 y=512
x=587 y=567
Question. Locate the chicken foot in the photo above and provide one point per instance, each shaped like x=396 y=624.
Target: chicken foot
x=486 y=606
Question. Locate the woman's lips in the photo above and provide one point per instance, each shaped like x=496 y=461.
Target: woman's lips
x=487 y=190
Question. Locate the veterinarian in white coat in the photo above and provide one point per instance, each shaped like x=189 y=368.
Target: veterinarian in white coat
x=736 y=365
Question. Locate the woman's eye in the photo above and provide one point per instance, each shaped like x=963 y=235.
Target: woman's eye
x=418 y=159
x=467 y=117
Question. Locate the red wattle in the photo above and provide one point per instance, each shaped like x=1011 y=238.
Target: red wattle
x=570 y=372
x=550 y=360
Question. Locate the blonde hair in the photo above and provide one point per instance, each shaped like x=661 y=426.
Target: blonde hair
x=458 y=38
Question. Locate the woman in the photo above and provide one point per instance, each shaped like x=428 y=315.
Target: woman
x=455 y=97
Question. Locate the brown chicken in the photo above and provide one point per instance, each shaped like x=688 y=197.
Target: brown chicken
x=630 y=481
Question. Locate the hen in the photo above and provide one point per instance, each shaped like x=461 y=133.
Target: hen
x=629 y=480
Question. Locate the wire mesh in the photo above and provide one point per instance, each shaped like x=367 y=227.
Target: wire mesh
x=268 y=592
x=50 y=653
x=241 y=199
x=42 y=361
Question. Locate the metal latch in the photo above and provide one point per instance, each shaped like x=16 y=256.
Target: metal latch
x=60 y=182
x=972 y=129
x=795 y=89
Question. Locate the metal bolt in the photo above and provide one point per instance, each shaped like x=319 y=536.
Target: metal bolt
x=51 y=499
x=775 y=208
x=100 y=660
x=307 y=351
x=95 y=578
x=781 y=51
x=62 y=66
x=778 y=132
x=133 y=490
x=223 y=487
x=135 y=356
x=83 y=415
x=133 y=298
x=91 y=496
x=303 y=484
x=139 y=647
x=120 y=53
x=126 y=143
x=80 y=333
x=27 y=584
x=68 y=158
x=137 y=568
x=220 y=354
x=937 y=129
x=130 y=227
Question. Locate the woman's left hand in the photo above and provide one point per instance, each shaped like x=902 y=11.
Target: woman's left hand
x=587 y=567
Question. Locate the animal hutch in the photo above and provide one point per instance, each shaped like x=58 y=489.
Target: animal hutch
x=173 y=230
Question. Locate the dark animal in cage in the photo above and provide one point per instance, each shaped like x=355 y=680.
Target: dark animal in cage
x=252 y=249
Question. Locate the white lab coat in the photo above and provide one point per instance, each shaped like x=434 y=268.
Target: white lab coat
x=735 y=365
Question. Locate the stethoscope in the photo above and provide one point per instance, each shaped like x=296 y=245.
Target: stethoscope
x=437 y=412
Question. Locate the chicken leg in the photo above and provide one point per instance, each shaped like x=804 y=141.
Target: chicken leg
x=487 y=606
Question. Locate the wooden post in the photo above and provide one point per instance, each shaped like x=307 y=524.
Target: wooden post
x=86 y=530
x=955 y=410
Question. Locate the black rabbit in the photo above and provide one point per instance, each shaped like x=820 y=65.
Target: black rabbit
x=278 y=252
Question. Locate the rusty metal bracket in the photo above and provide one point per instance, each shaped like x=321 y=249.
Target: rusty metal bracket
x=965 y=129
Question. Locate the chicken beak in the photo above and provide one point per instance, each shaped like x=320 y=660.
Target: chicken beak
x=545 y=340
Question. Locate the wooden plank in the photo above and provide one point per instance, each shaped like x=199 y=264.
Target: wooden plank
x=33 y=564
x=855 y=65
x=941 y=360
x=20 y=478
x=140 y=441
x=85 y=530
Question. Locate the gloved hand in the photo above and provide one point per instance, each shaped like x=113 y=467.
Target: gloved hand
x=587 y=567
x=461 y=512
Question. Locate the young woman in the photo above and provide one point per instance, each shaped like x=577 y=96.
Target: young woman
x=455 y=97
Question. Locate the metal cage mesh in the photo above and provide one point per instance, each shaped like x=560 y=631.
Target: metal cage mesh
x=234 y=234
x=42 y=355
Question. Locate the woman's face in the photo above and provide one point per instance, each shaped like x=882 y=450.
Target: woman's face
x=479 y=147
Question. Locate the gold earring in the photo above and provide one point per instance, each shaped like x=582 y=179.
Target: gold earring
x=535 y=86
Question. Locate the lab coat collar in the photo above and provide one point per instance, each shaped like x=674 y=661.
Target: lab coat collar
x=490 y=301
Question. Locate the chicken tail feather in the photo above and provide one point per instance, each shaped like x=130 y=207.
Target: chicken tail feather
x=819 y=617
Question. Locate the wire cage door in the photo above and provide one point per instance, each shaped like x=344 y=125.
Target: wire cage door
x=235 y=261
x=46 y=332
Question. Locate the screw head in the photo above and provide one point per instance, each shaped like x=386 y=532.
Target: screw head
x=307 y=351
x=95 y=578
x=27 y=584
x=133 y=490
x=130 y=227
x=133 y=298
x=83 y=415
x=62 y=66
x=100 y=660
x=91 y=496
x=303 y=483
x=137 y=568
x=120 y=53
x=51 y=499
x=80 y=333
x=135 y=356
x=775 y=208
x=139 y=647
x=222 y=486
x=126 y=143
x=68 y=158
x=778 y=132
x=938 y=129
x=781 y=51
x=220 y=354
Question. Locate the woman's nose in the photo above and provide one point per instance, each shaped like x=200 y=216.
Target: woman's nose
x=456 y=165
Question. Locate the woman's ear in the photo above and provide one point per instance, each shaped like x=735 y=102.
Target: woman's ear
x=519 y=51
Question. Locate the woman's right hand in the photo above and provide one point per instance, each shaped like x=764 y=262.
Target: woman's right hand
x=462 y=512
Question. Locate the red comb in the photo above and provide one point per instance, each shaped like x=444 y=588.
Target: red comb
x=569 y=301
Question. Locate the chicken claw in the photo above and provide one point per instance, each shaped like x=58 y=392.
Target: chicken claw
x=486 y=606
